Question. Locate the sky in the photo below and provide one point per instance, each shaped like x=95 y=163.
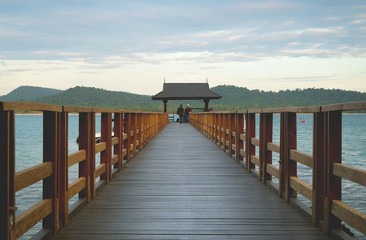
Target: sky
x=133 y=46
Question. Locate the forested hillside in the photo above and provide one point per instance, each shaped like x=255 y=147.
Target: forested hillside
x=232 y=98
x=95 y=97
x=28 y=93
x=243 y=98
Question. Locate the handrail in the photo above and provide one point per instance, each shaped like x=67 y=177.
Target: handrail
x=325 y=162
x=54 y=207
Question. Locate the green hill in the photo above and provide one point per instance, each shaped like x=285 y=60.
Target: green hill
x=28 y=93
x=95 y=97
x=243 y=98
x=232 y=98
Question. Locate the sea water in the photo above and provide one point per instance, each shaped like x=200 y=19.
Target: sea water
x=28 y=151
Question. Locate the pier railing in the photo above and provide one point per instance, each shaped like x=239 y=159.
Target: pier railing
x=131 y=131
x=235 y=133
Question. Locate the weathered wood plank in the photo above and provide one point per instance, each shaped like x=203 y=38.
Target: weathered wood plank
x=76 y=157
x=350 y=173
x=349 y=215
x=31 y=216
x=274 y=171
x=20 y=106
x=114 y=159
x=301 y=187
x=167 y=192
x=124 y=152
x=255 y=159
x=76 y=187
x=255 y=141
x=302 y=158
x=273 y=147
x=99 y=170
x=114 y=141
x=32 y=175
x=242 y=152
x=100 y=147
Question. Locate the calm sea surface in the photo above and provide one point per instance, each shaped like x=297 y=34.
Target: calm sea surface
x=28 y=129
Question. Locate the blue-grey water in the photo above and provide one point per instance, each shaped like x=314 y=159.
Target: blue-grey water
x=28 y=129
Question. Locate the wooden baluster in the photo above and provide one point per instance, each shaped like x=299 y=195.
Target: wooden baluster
x=64 y=169
x=221 y=129
x=85 y=143
x=91 y=159
x=7 y=173
x=138 y=130
x=262 y=129
x=289 y=142
x=127 y=130
x=134 y=127
x=318 y=167
x=50 y=154
x=218 y=129
x=266 y=136
x=239 y=131
x=250 y=148
x=117 y=150
x=232 y=129
x=211 y=121
x=333 y=154
x=106 y=136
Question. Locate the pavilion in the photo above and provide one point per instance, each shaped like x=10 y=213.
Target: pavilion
x=186 y=91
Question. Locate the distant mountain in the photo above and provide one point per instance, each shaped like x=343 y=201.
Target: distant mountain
x=232 y=98
x=96 y=97
x=242 y=98
x=28 y=93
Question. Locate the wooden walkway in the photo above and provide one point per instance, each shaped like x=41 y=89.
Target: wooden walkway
x=182 y=186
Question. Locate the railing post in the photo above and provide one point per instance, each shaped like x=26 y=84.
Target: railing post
x=50 y=154
x=265 y=156
x=318 y=167
x=134 y=127
x=127 y=130
x=239 y=130
x=7 y=174
x=118 y=149
x=91 y=159
x=106 y=136
x=139 y=128
x=288 y=129
x=63 y=170
x=232 y=129
x=225 y=127
x=333 y=154
x=250 y=133
x=85 y=143
x=221 y=130
x=218 y=129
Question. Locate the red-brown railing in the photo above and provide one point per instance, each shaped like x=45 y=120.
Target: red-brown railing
x=132 y=130
x=328 y=211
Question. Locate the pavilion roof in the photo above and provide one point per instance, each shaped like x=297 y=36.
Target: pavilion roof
x=186 y=91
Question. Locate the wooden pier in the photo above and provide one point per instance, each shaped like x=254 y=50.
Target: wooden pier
x=179 y=184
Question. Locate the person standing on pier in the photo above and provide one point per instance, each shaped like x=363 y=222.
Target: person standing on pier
x=180 y=112
x=187 y=111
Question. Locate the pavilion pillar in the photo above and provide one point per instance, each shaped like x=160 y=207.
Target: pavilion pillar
x=165 y=102
x=206 y=104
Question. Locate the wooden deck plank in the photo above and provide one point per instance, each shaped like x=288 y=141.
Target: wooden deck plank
x=182 y=186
